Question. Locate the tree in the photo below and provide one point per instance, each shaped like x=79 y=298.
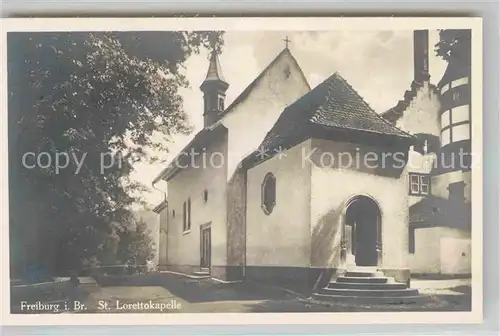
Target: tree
x=95 y=102
x=454 y=44
x=136 y=246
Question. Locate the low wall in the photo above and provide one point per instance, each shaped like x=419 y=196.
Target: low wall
x=455 y=256
x=441 y=250
x=148 y=279
x=119 y=270
x=44 y=292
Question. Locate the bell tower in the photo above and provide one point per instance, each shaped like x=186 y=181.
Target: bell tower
x=214 y=89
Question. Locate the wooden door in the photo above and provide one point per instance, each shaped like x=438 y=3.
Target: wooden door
x=205 y=247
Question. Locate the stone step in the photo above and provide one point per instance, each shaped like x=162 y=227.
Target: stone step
x=351 y=279
x=369 y=286
x=363 y=274
x=407 y=292
x=201 y=273
x=362 y=268
x=369 y=300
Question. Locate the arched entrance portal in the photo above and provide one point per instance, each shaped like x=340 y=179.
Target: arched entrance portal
x=362 y=232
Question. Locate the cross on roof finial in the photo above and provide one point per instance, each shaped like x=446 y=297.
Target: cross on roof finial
x=286 y=42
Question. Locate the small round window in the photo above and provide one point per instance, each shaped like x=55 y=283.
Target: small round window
x=268 y=198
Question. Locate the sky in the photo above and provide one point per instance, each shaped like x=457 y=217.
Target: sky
x=377 y=64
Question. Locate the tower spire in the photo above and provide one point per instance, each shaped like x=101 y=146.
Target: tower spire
x=214 y=69
x=214 y=89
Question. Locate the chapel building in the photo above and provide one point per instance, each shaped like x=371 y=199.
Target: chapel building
x=275 y=204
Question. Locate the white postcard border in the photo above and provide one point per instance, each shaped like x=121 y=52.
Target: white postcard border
x=248 y=24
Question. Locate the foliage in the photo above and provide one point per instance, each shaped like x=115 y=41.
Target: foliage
x=136 y=246
x=454 y=44
x=96 y=102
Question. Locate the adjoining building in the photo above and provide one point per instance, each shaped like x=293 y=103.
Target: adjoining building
x=440 y=170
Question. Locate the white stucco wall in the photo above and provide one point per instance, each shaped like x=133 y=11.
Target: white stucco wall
x=441 y=182
x=455 y=255
x=421 y=117
x=333 y=185
x=422 y=113
x=426 y=258
x=184 y=248
x=281 y=238
x=441 y=250
x=249 y=121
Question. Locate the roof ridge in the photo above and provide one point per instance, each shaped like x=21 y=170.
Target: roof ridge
x=257 y=78
x=337 y=74
x=327 y=84
x=368 y=105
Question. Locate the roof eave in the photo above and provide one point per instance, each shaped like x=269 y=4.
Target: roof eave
x=172 y=169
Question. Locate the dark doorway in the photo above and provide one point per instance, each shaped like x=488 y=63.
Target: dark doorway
x=205 y=247
x=363 y=218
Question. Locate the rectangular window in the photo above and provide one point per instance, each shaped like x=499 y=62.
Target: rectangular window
x=459 y=114
x=445 y=88
x=221 y=104
x=419 y=184
x=445 y=119
x=445 y=137
x=188 y=215
x=461 y=132
x=184 y=217
x=424 y=184
x=460 y=81
x=414 y=184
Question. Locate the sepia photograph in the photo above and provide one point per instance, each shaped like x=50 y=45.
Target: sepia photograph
x=174 y=171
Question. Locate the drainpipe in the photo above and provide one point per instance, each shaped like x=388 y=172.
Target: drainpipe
x=162 y=191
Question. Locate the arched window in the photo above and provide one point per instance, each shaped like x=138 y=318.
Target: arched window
x=221 y=104
x=268 y=193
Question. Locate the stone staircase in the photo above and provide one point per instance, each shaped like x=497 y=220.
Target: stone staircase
x=366 y=285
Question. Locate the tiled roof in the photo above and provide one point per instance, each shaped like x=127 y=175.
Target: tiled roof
x=437 y=211
x=332 y=104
